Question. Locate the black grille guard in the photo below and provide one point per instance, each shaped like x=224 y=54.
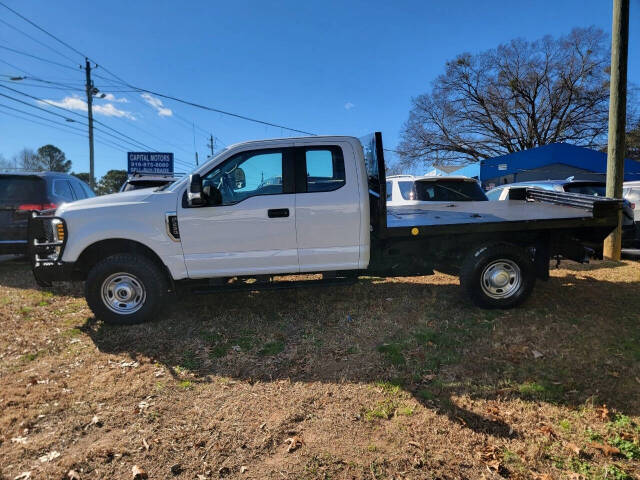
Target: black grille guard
x=42 y=239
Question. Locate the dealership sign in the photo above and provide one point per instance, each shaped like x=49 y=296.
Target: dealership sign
x=149 y=162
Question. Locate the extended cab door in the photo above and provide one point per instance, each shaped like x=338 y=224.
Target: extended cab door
x=328 y=208
x=253 y=230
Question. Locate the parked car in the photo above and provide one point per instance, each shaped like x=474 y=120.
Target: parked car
x=227 y=227
x=630 y=232
x=23 y=192
x=147 y=180
x=412 y=190
x=631 y=193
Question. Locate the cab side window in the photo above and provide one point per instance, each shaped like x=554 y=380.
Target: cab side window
x=324 y=169
x=245 y=175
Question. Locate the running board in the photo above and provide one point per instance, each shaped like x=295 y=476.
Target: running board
x=270 y=285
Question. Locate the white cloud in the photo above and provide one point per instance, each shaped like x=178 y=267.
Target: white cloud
x=112 y=98
x=348 y=106
x=76 y=103
x=156 y=103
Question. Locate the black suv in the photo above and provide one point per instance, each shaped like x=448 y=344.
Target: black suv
x=21 y=193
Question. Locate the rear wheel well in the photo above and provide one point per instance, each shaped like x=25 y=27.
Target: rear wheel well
x=105 y=248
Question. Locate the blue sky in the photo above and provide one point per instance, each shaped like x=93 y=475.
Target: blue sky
x=320 y=66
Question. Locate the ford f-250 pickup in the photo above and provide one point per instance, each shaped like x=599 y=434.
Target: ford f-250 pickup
x=297 y=206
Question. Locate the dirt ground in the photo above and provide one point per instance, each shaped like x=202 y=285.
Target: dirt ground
x=387 y=378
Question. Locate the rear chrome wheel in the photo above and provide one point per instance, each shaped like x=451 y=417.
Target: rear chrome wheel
x=501 y=279
x=499 y=275
x=123 y=293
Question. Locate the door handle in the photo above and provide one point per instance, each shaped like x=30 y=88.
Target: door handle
x=278 y=212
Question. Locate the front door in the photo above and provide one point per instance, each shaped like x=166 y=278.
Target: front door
x=253 y=230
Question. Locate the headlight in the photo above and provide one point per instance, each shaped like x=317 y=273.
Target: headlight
x=58 y=230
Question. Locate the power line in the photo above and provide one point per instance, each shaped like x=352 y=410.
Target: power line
x=126 y=138
x=35 y=85
x=42 y=29
x=57 y=126
x=37 y=58
x=36 y=40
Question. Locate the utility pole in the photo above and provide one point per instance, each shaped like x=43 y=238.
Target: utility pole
x=89 y=89
x=617 y=117
x=211 y=143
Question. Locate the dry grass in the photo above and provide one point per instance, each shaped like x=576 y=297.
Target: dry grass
x=388 y=378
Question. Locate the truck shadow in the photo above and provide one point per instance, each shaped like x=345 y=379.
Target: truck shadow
x=576 y=341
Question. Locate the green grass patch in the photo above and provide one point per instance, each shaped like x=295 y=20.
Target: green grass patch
x=72 y=332
x=189 y=361
x=545 y=391
x=185 y=384
x=424 y=394
x=628 y=448
x=29 y=357
x=392 y=352
x=383 y=410
x=405 y=411
x=565 y=425
x=272 y=348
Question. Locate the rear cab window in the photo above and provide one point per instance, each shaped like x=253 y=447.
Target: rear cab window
x=324 y=169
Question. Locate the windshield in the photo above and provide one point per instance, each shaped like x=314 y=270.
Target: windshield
x=448 y=191
x=593 y=189
x=172 y=187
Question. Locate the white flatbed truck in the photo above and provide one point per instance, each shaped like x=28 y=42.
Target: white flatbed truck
x=298 y=206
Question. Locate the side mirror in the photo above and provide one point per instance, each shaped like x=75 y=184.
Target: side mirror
x=195 y=197
x=239 y=178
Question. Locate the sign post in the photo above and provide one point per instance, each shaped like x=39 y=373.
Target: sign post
x=149 y=162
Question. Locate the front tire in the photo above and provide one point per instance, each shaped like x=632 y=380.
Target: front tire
x=498 y=276
x=125 y=289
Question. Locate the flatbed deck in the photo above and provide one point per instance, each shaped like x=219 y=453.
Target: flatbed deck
x=474 y=217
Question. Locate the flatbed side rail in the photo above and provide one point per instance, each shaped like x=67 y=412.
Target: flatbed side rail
x=600 y=207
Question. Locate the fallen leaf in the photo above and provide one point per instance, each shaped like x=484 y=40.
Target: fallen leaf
x=49 y=456
x=537 y=354
x=414 y=444
x=572 y=447
x=23 y=476
x=603 y=412
x=146 y=445
x=541 y=476
x=138 y=473
x=493 y=465
x=428 y=377
x=20 y=440
x=547 y=430
x=294 y=443
x=608 y=450
x=243 y=469
x=73 y=475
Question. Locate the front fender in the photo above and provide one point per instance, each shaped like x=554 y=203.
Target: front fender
x=139 y=222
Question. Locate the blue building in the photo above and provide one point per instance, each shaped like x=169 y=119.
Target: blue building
x=550 y=162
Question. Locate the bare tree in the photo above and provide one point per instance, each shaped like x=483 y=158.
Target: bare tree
x=517 y=96
x=4 y=163
x=27 y=159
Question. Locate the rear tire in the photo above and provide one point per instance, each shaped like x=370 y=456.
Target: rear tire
x=498 y=276
x=125 y=289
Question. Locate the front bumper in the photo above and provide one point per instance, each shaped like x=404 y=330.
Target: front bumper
x=45 y=248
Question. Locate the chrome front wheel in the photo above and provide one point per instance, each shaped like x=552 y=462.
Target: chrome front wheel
x=123 y=293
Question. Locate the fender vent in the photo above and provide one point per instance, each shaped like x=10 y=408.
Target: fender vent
x=172 y=226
